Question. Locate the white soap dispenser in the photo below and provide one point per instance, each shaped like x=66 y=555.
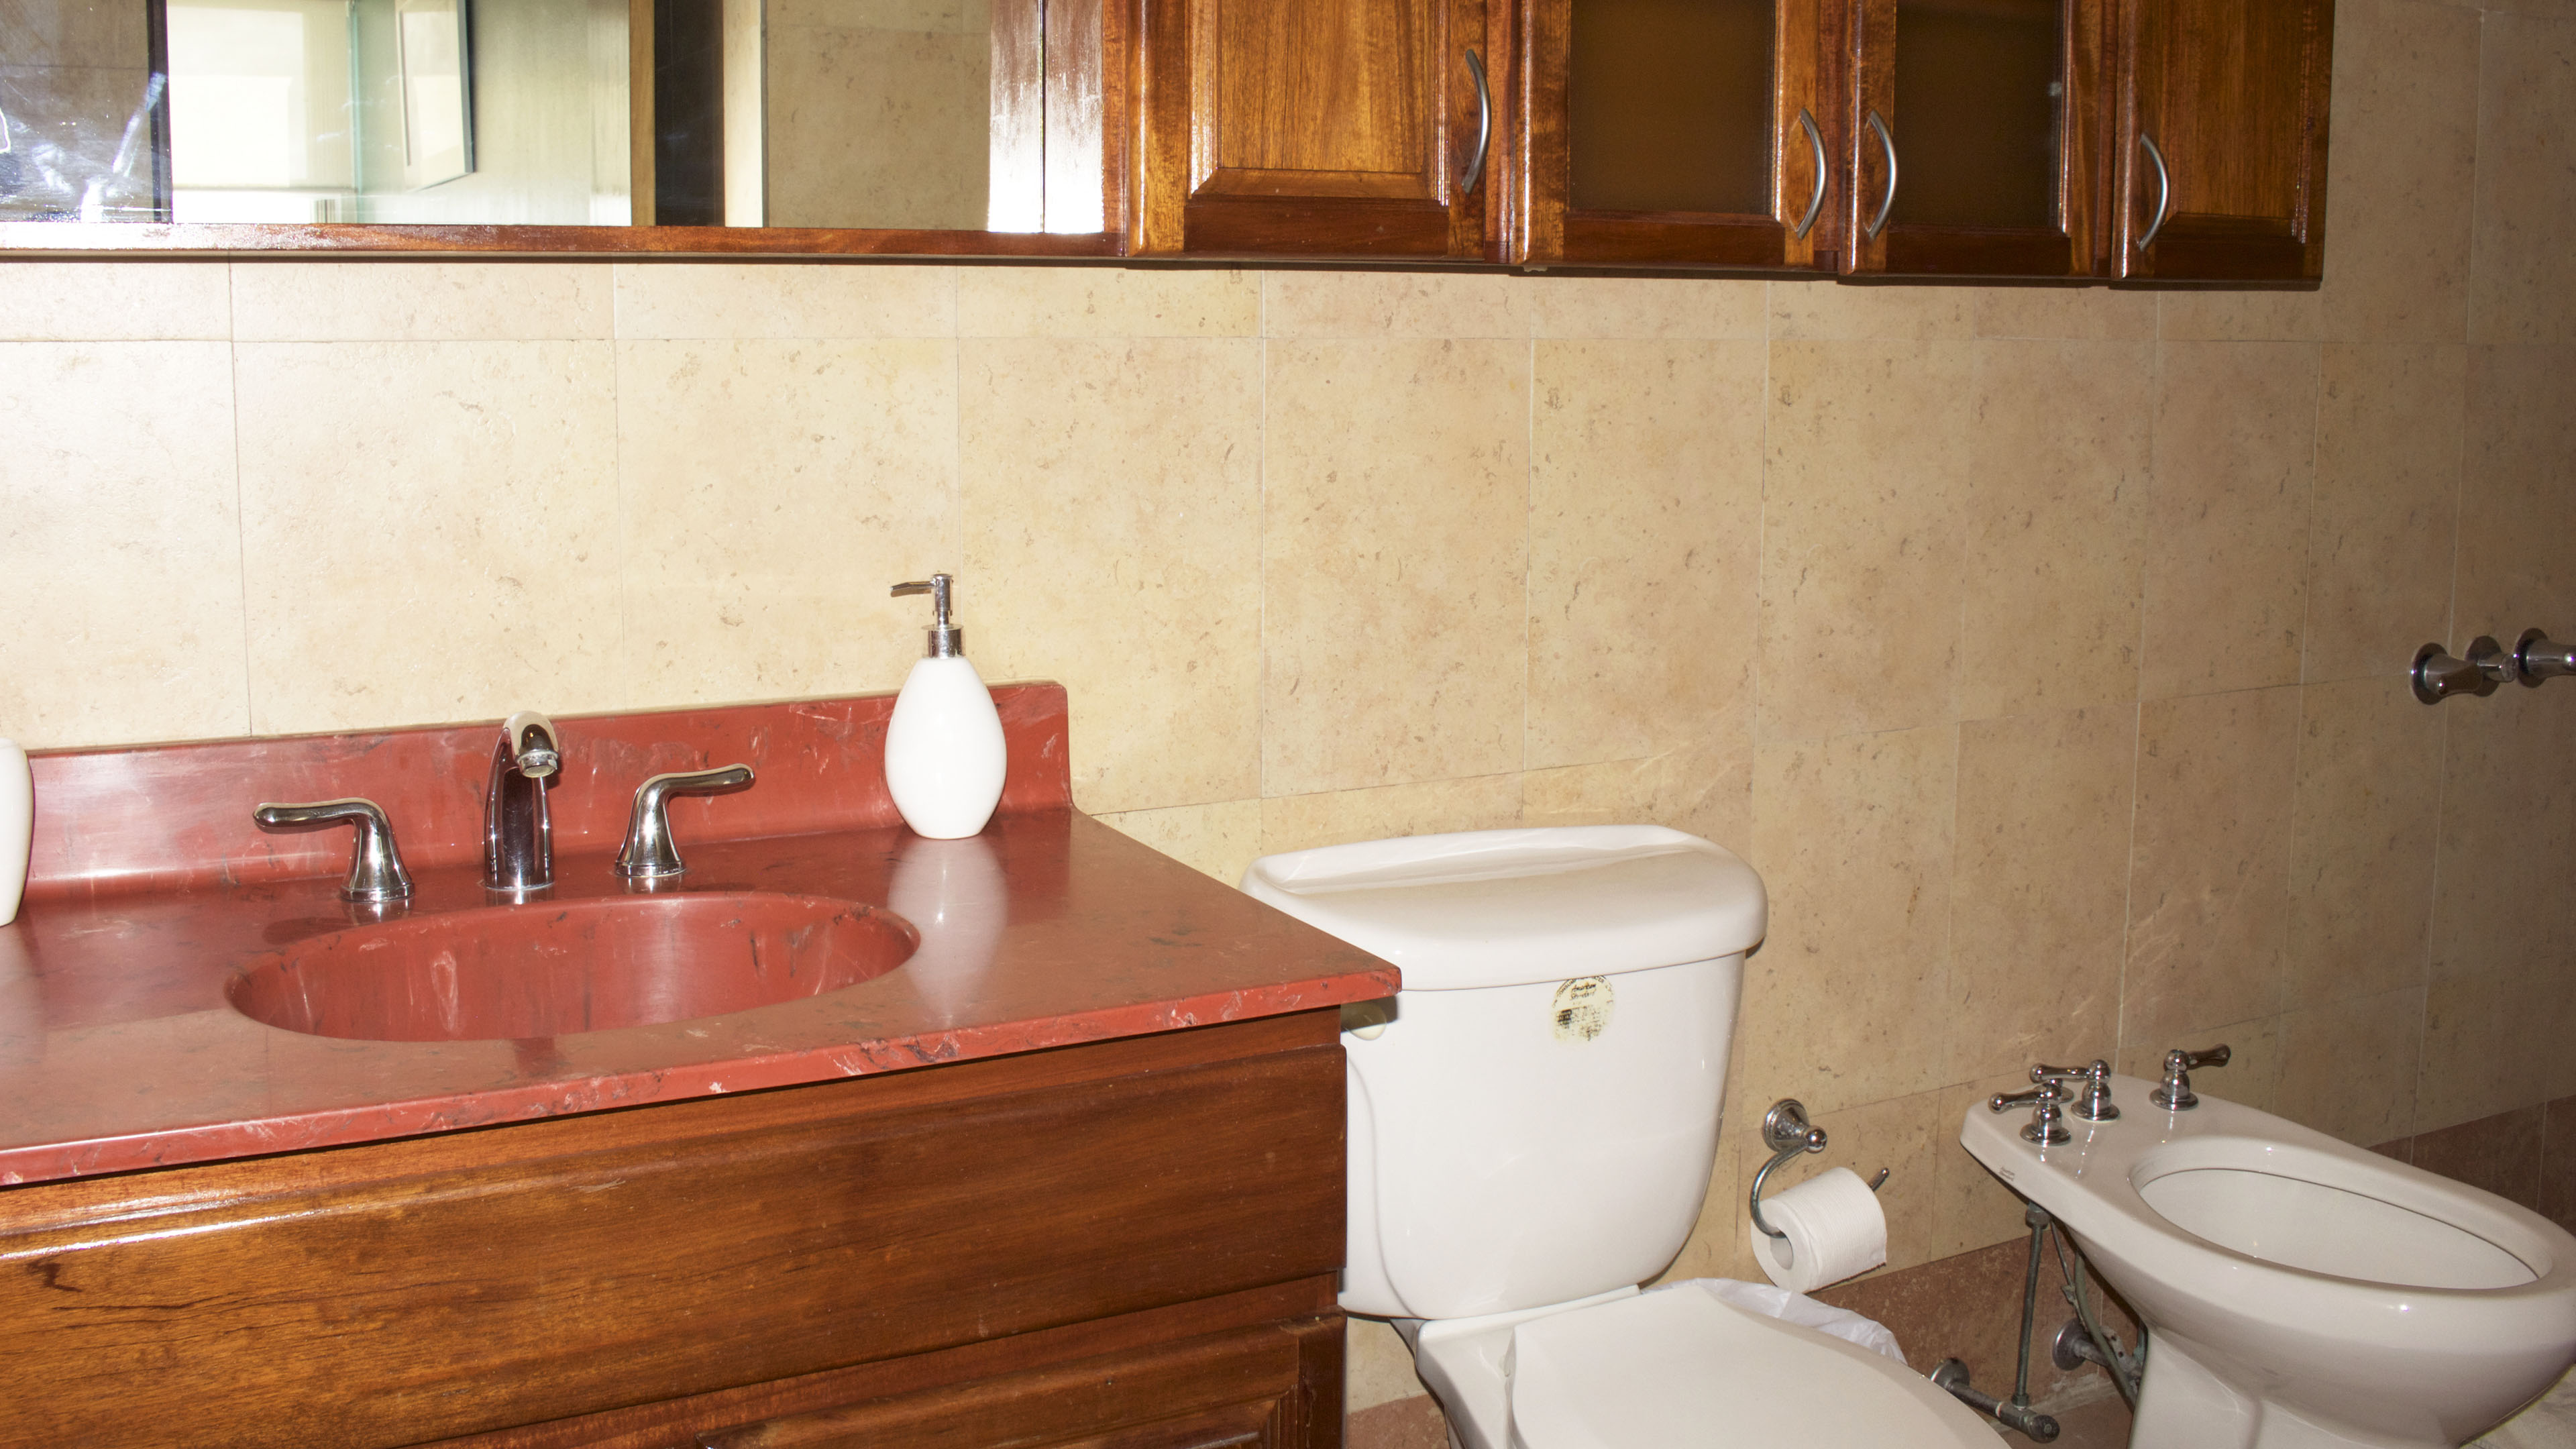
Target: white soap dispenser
x=944 y=754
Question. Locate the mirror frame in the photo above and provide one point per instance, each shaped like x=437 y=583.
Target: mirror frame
x=30 y=240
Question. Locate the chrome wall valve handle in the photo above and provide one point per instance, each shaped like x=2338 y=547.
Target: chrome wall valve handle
x=2047 y=1125
x=2536 y=657
x=2093 y=1104
x=375 y=863
x=648 y=853
x=2437 y=676
x=2175 y=1095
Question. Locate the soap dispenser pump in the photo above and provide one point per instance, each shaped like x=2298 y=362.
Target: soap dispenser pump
x=944 y=756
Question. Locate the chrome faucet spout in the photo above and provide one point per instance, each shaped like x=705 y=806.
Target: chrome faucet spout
x=518 y=836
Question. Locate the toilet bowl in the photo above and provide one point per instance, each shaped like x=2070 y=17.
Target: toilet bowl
x=2299 y=1291
x=1531 y=1129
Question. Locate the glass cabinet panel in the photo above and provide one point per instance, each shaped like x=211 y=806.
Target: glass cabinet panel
x=1979 y=95
x=1669 y=106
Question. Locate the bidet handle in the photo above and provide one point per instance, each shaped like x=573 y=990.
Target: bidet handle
x=2175 y=1094
x=2094 y=1105
x=2047 y=1125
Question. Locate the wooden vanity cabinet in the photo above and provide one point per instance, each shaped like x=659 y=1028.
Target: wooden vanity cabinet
x=1130 y=1243
x=1976 y=130
x=1655 y=133
x=2220 y=141
x=1322 y=128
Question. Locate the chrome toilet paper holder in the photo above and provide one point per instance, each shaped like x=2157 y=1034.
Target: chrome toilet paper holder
x=1786 y=1133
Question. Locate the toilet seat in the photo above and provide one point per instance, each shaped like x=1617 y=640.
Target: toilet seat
x=1680 y=1367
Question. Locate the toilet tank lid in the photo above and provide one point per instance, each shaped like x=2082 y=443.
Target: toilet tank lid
x=1505 y=907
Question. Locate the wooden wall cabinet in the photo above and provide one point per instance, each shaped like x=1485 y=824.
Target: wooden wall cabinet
x=1654 y=134
x=1130 y=1243
x=1328 y=128
x=1976 y=130
x=2220 y=143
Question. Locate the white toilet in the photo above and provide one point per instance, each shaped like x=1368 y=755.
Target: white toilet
x=1531 y=1131
x=2298 y=1292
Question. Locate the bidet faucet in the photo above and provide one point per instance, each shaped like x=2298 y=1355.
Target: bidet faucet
x=2095 y=1104
x=2047 y=1125
x=2175 y=1095
x=518 y=836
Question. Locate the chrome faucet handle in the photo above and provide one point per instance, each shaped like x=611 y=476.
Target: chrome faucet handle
x=2095 y=1103
x=375 y=864
x=2536 y=657
x=2175 y=1095
x=518 y=833
x=2047 y=1125
x=2437 y=676
x=648 y=853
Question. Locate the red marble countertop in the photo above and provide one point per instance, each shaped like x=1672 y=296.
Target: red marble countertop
x=151 y=892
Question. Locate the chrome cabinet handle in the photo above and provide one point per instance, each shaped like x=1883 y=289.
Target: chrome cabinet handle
x=375 y=864
x=1887 y=203
x=1816 y=202
x=648 y=853
x=1484 y=124
x=2164 y=190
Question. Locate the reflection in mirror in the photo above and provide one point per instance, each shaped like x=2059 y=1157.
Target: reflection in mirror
x=928 y=114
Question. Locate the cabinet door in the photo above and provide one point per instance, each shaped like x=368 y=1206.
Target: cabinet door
x=1678 y=132
x=1359 y=128
x=1976 y=131
x=2221 y=147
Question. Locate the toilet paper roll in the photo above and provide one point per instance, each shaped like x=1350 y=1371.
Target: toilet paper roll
x=1834 y=1227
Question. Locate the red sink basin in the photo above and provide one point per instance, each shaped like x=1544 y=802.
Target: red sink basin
x=547 y=969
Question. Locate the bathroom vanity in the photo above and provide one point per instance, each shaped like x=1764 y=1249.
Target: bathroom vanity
x=1066 y=1171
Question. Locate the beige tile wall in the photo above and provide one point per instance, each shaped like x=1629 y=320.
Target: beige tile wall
x=2042 y=647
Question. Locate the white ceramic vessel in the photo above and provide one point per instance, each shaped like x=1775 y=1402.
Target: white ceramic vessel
x=1531 y=1131
x=2299 y=1292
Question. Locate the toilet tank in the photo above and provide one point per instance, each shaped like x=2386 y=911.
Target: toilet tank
x=1536 y=1121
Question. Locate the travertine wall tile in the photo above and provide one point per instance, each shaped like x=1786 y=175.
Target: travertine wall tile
x=2389 y=425
x=55 y=301
x=1861 y=535
x=1302 y=822
x=2494 y=1041
x=1394 y=554
x=2525 y=207
x=2401 y=170
x=1645 y=525
x=1705 y=789
x=1393 y=304
x=752 y=299
x=468 y=489
x=2039 y=888
x=1218 y=840
x=2517 y=496
x=2056 y=525
x=2189 y=315
x=2235 y=441
x=1973 y=1208
x=1849 y=1001
x=2500 y=900
x=1115 y=545
x=419 y=301
x=2210 y=871
x=1825 y=311
x=2068 y=313
x=758 y=555
x=1000 y=301
x=2366 y=819
x=1677 y=307
x=119 y=519
x=2348 y=1069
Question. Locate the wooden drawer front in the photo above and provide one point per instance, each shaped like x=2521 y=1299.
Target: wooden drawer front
x=1247 y=1387
x=354 y=1298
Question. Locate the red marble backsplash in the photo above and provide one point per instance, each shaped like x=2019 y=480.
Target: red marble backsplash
x=169 y=817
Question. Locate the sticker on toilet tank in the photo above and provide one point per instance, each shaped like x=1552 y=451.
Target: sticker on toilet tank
x=1582 y=1008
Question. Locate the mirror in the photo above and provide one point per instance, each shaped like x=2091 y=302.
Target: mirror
x=963 y=115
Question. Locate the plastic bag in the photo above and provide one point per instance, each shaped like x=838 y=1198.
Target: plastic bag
x=1798 y=1308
